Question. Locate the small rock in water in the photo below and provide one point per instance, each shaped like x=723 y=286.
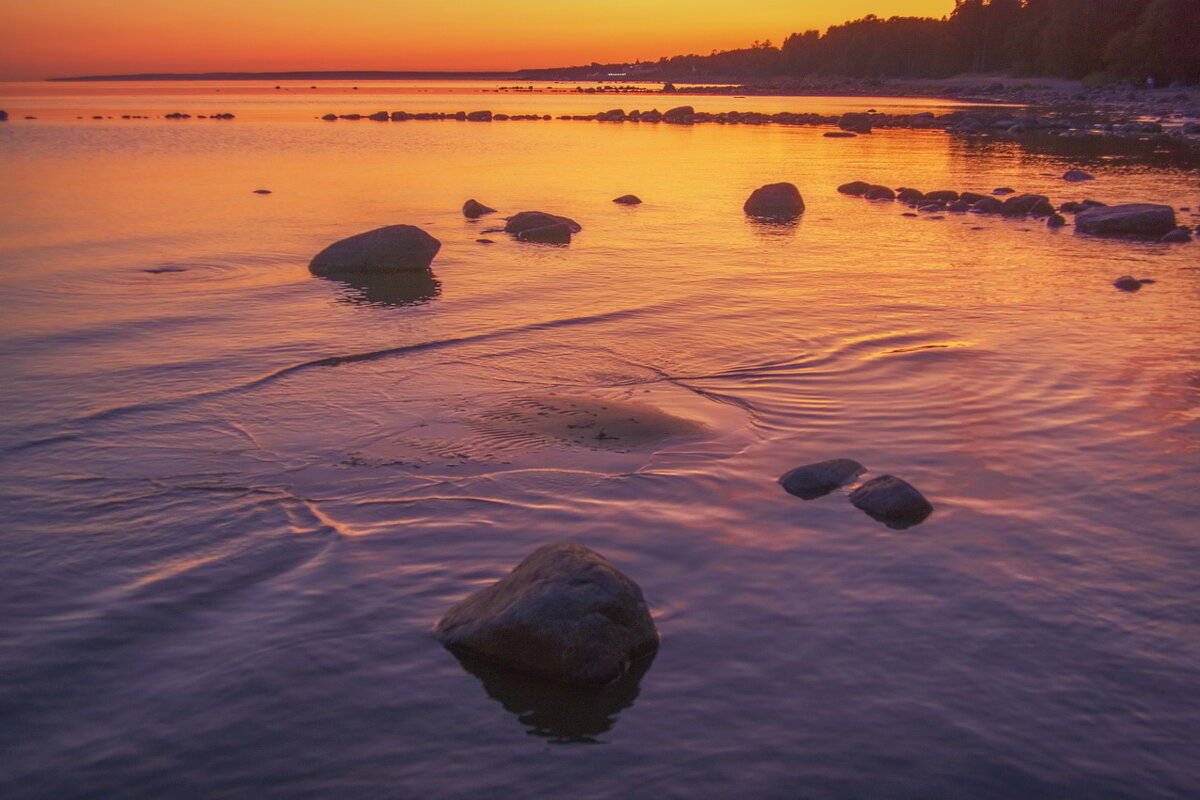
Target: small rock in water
x=473 y=208
x=1003 y=190
x=817 y=480
x=564 y=613
x=1055 y=221
x=1075 y=175
x=486 y=241
x=775 y=200
x=892 y=501
x=839 y=135
x=1127 y=283
x=262 y=191
x=1178 y=236
x=628 y=200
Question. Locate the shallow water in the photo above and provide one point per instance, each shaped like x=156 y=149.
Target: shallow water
x=239 y=496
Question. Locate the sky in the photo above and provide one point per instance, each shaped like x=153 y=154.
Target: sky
x=54 y=38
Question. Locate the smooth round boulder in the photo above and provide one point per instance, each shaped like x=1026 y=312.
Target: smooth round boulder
x=854 y=188
x=528 y=220
x=913 y=196
x=473 y=209
x=944 y=196
x=1076 y=175
x=775 y=200
x=558 y=233
x=877 y=192
x=628 y=200
x=1130 y=220
x=564 y=613
x=892 y=501
x=396 y=248
x=1023 y=204
x=817 y=480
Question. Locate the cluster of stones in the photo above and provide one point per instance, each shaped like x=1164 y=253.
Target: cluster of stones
x=889 y=499
x=181 y=115
x=1128 y=220
x=461 y=116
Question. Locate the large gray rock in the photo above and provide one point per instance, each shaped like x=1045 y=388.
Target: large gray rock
x=528 y=220
x=775 y=200
x=563 y=613
x=892 y=501
x=396 y=248
x=1131 y=220
x=817 y=480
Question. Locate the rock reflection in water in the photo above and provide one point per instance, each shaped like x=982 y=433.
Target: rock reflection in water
x=395 y=289
x=559 y=712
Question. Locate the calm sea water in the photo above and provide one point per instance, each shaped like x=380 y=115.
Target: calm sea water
x=223 y=554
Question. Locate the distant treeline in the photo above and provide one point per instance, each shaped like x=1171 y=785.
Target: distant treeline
x=1102 y=41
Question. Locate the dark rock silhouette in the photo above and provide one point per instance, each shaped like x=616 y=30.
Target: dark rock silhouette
x=528 y=220
x=479 y=116
x=780 y=200
x=396 y=248
x=1056 y=221
x=262 y=191
x=1130 y=220
x=988 y=205
x=1076 y=175
x=817 y=480
x=971 y=197
x=1127 y=283
x=3 y=116
x=564 y=613
x=1023 y=204
x=892 y=501
x=473 y=209
x=1003 y=190
x=1180 y=235
x=839 y=135
x=854 y=188
x=628 y=200
x=943 y=196
x=877 y=192
x=330 y=117
x=855 y=123
x=913 y=196
x=680 y=115
x=558 y=233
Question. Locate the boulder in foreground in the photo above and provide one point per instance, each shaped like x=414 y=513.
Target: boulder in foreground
x=396 y=248
x=817 y=480
x=892 y=501
x=775 y=200
x=1130 y=220
x=564 y=613
x=528 y=220
x=473 y=208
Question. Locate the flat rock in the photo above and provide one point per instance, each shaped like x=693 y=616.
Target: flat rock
x=528 y=220
x=564 y=613
x=473 y=209
x=628 y=200
x=817 y=480
x=396 y=248
x=775 y=200
x=1129 y=220
x=892 y=501
x=1127 y=283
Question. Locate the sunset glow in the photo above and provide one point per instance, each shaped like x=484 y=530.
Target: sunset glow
x=77 y=37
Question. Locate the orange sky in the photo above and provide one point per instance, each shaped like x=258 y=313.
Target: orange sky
x=45 y=38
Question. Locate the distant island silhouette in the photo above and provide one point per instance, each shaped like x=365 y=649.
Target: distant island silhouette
x=336 y=75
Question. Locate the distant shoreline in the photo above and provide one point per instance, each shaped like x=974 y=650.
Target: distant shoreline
x=342 y=75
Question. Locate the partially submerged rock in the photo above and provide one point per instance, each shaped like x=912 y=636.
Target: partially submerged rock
x=877 y=192
x=564 y=613
x=817 y=480
x=1076 y=175
x=775 y=200
x=628 y=200
x=855 y=122
x=892 y=501
x=558 y=233
x=528 y=220
x=1127 y=283
x=473 y=209
x=1130 y=220
x=854 y=188
x=396 y=248
x=1178 y=236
